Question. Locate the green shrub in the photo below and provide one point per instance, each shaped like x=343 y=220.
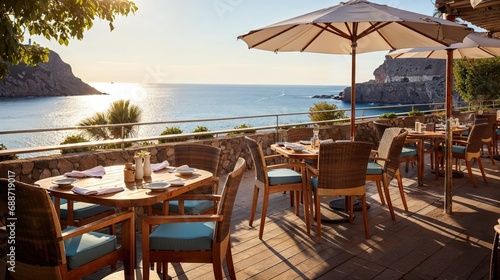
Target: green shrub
x=415 y=113
x=324 y=116
x=172 y=130
x=75 y=139
x=202 y=129
x=7 y=157
x=243 y=131
x=390 y=115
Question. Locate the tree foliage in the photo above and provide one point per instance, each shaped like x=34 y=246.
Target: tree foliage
x=316 y=113
x=120 y=111
x=477 y=79
x=53 y=19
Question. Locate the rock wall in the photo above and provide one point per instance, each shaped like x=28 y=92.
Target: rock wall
x=54 y=78
x=404 y=81
x=33 y=169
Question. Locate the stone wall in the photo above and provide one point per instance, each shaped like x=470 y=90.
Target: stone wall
x=33 y=169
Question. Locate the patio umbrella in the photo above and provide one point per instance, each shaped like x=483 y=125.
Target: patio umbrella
x=352 y=27
x=473 y=46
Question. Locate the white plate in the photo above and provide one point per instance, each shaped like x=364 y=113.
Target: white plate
x=157 y=186
x=187 y=171
x=65 y=181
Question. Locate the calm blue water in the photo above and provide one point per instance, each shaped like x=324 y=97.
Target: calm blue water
x=163 y=102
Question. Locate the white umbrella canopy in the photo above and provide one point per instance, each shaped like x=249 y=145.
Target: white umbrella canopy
x=355 y=26
x=473 y=46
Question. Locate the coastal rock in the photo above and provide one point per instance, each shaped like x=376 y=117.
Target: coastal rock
x=54 y=78
x=404 y=81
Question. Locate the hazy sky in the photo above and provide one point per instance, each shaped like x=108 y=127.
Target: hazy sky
x=179 y=41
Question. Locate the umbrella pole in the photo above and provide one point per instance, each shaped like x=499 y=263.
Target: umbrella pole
x=354 y=44
x=353 y=93
x=449 y=135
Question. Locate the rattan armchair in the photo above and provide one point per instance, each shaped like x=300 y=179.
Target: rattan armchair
x=43 y=251
x=276 y=178
x=385 y=165
x=467 y=150
x=194 y=239
x=192 y=203
x=341 y=172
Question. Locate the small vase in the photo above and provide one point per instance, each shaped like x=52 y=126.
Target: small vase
x=147 y=166
x=139 y=168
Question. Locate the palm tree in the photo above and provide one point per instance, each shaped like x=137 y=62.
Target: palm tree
x=120 y=111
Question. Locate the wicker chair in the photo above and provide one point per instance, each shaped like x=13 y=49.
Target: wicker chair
x=276 y=178
x=386 y=165
x=409 y=122
x=299 y=133
x=489 y=134
x=43 y=251
x=467 y=150
x=196 y=239
x=495 y=250
x=341 y=171
x=198 y=156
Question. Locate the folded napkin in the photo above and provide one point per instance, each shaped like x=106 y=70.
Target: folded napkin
x=326 y=141
x=175 y=181
x=97 y=171
x=85 y=191
x=179 y=168
x=159 y=166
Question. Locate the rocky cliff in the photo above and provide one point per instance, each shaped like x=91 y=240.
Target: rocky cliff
x=53 y=78
x=404 y=81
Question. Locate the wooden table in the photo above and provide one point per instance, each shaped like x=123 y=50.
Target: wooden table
x=306 y=154
x=434 y=136
x=134 y=194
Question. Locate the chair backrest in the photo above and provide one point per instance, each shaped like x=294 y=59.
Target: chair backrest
x=380 y=127
x=299 y=133
x=475 y=138
x=228 y=197
x=198 y=156
x=390 y=148
x=410 y=121
x=342 y=165
x=257 y=158
x=38 y=234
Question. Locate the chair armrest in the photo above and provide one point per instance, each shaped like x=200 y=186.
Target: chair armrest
x=271 y=157
x=312 y=169
x=379 y=158
x=285 y=165
x=99 y=224
x=157 y=220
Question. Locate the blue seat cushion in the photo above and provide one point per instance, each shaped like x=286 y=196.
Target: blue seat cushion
x=191 y=207
x=283 y=176
x=374 y=169
x=314 y=182
x=82 y=210
x=465 y=133
x=88 y=247
x=455 y=149
x=182 y=237
x=498 y=131
x=408 y=152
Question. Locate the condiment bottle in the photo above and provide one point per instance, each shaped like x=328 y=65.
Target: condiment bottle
x=129 y=173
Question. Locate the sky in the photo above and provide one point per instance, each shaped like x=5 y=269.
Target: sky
x=195 y=41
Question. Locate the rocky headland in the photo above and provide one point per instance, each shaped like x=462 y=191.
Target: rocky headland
x=403 y=81
x=54 y=78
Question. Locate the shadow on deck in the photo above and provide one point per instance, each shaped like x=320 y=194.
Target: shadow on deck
x=423 y=243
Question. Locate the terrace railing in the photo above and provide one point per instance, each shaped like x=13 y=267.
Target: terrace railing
x=276 y=122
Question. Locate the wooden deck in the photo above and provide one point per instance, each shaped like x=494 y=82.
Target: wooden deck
x=423 y=243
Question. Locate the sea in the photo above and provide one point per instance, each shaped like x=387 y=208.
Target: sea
x=165 y=102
